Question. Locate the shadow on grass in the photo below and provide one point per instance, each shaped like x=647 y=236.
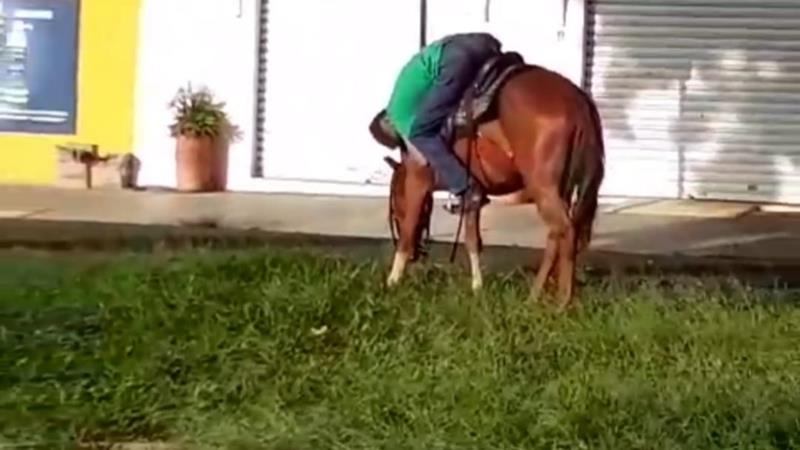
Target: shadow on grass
x=52 y=238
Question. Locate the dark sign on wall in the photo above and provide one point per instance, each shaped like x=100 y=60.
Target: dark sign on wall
x=38 y=66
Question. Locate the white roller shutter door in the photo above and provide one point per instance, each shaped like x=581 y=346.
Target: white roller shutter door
x=327 y=67
x=699 y=98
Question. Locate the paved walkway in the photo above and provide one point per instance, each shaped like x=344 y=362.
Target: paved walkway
x=657 y=229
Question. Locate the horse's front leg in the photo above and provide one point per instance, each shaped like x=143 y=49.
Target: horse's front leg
x=418 y=186
x=399 y=264
x=474 y=245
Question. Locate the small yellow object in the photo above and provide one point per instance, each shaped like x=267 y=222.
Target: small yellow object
x=319 y=331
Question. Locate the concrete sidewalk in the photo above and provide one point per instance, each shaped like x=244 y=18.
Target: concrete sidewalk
x=689 y=229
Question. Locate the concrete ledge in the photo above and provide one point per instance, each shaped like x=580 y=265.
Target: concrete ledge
x=687 y=208
x=100 y=238
x=668 y=229
x=18 y=213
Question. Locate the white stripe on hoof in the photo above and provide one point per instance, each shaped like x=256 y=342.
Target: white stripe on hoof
x=398 y=268
x=477 y=275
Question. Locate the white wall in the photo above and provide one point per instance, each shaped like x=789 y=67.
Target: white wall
x=530 y=27
x=206 y=42
x=331 y=66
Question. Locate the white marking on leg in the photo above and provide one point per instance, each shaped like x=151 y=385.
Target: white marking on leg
x=475 y=266
x=398 y=267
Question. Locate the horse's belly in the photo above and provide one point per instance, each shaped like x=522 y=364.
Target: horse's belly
x=514 y=198
x=500 y=174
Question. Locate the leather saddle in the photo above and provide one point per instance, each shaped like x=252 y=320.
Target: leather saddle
x=476 y=104
x=479 y=99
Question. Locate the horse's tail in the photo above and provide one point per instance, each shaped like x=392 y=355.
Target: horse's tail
x=586 y=169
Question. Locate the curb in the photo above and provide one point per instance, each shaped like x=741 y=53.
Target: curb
x=103 y=237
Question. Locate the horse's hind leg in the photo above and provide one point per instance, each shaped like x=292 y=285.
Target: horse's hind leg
x=474 y=245
x=566 y=266
x=545 y=268
x=542 y=168
x=553 y=211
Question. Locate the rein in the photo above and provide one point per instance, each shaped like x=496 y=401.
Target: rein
x=393 y=226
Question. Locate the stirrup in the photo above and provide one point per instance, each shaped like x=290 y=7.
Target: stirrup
x=454 y=202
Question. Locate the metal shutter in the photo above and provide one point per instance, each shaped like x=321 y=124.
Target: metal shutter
x=699 y=98
x=258 y=153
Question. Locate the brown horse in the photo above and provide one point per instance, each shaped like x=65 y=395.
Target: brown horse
x=543 y=141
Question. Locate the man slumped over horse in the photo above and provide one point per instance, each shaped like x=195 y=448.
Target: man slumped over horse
x=427 y=91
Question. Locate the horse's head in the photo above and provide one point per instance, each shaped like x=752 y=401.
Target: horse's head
x=410 y=189
x=410 y=204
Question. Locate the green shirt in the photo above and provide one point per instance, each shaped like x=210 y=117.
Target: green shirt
x=415 y=80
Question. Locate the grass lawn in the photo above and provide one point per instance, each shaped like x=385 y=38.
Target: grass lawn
x=290 y=350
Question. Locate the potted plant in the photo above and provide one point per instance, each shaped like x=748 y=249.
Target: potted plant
x=203 y=134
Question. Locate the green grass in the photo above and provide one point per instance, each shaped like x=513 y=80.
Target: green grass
x=286 y=350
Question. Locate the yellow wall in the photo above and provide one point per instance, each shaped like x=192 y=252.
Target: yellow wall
x=108 y=38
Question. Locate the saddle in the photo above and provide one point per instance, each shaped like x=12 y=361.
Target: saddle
x=478 y=100
x=475 y=106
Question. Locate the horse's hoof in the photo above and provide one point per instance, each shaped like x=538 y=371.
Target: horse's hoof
x=565 y=306
x=568 y=307
x=477 y=286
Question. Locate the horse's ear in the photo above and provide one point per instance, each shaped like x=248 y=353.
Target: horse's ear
x=391 y=162
x=383 y=131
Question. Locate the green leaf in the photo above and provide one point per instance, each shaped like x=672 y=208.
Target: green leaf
x=195 y=113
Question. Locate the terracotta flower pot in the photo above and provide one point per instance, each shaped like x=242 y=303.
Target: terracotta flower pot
x=201 y=164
